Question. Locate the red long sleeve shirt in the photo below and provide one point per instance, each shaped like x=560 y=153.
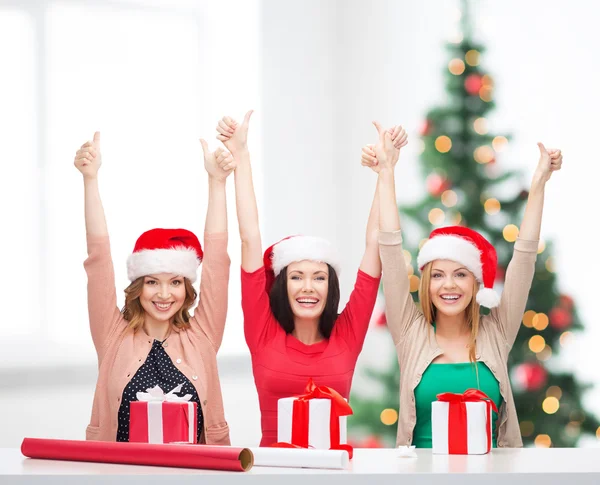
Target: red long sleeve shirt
x=282 y=364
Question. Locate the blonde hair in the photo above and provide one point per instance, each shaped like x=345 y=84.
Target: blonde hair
x=430 y=311
x=134 y=313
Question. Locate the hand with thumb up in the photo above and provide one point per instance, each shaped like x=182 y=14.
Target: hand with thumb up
x=88 y=158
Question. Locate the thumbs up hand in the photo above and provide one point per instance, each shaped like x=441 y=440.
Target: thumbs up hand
x=88 y=158
x=233 y=135
x=219 y=164
x=550 y=161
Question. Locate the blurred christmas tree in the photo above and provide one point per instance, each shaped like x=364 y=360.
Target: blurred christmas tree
x=464 y=186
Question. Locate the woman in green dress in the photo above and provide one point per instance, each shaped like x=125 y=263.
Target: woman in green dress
x=444 y=345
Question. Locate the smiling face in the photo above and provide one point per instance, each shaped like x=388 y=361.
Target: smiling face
x=162 y=296
x=307 y=288
x=451 y=286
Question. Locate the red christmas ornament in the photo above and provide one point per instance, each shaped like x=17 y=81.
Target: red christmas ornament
x=380 y=320
x=473 y=84
x=566 y=302
x=372 y=442
x=436 y=184
x=560 y=318
x=531 y=376
x=426 y=128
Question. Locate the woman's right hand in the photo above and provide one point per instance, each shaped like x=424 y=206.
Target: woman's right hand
x=233 y=135
x=399 y=139
x=88 y=158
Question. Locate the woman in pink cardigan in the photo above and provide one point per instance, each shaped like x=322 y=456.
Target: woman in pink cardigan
x=153 y=340
x=290 y=300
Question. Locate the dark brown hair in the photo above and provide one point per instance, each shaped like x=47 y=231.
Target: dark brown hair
x=280 y=303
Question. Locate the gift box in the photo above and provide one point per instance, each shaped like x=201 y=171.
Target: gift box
x=157 y=417
x=461 y=424
x=316 y=419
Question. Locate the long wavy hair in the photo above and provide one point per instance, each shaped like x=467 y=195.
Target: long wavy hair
x=134 y=313
x=430 y=311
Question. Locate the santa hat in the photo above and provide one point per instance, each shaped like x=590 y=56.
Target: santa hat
x=298 y=248
x=468 y=247
x=165 y=251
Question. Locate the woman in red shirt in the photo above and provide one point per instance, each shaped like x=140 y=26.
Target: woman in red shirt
x=290 y=299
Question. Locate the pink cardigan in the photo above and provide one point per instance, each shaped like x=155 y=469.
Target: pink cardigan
x=121 y=351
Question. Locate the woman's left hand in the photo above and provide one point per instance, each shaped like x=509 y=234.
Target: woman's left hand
x=218 y=164
x=550 y=161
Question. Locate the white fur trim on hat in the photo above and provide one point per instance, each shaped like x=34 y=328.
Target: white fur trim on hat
x=301 y=248
x=488 y=298
x=453 y=248
x=180 y=261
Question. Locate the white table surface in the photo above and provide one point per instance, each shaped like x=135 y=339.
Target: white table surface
x=565 y=466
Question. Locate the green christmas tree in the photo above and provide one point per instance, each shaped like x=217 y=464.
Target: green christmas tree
x=465 y=185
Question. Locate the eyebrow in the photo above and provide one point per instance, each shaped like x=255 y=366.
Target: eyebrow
x=156 y=279
x=302 y=272
x=457 y=269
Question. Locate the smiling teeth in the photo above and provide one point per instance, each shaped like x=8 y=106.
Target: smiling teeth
x=449 y=297
x=163 y=306
x=307 y=301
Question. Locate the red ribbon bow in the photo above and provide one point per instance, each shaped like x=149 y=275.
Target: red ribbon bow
x=457 y=418
x=300 y=413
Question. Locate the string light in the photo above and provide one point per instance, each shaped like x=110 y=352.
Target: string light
x=456 y=67
x=510 y=232
x=485 y=93
x=456 y=218
x=540 y=321
x=545 y=354
x=407 y=256
x=537 y=343
x=414 y=282
x=598 y=433
x=436 y=216
x=410 y=270
x=527 y=428
x=492 y=206
x=565 y=338
x=483 y=154
x=499 y=143
x=573 y=429
x=554 y=391
x=443 y=144
x=550 y=264
x=550 y=405
x=541 y=246
x=472 y=57
x=480 y=126
x=449 y=198
x=528 y=318
x=388 y=416
x=542 y=441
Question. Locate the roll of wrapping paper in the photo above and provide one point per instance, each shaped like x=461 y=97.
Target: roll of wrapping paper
x=205 y=457
x=300 y=458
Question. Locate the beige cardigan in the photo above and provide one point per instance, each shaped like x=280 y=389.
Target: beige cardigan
x=416 y=344
x=121 y=351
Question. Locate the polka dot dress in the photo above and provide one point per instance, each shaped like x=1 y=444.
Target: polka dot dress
x=158 y=370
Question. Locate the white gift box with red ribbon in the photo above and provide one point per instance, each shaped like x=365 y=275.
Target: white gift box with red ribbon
x=163 y=418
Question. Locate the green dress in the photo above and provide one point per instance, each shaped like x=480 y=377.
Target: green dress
x=455 y=377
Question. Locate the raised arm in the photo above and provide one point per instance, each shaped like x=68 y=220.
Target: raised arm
x=400 y=307
x=521 y=268
x=235 y=138
x=88 y=160
x=211 y=311
x=102 y=299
